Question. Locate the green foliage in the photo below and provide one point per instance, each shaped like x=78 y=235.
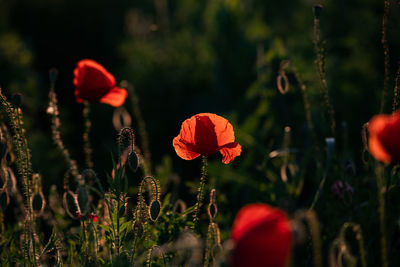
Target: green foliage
x=185 y=57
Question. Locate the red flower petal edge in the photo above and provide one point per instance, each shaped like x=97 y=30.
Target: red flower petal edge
x=94 y=83
x=383 y=140
x=262 y=237
x=206 y=134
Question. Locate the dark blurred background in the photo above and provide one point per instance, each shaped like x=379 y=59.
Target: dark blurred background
x=188 y=56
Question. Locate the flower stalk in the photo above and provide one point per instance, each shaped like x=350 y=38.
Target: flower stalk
x=200 y=192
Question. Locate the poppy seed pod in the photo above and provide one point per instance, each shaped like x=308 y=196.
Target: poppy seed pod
x=53 y=74
x=317 y=10
x=95 y=84
x=262 y=236
x=16 y=100
x=206 y=134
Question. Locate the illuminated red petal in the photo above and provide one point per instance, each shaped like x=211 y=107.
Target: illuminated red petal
x=222 y=128
x=206 y=134
x=92 y=81
x=115 y=97
x=205 y=139
x=185 y=151
x=262 y=237
x=230 y=151
x=384 y=141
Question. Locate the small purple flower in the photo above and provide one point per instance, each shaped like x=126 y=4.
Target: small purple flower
x=340 y=189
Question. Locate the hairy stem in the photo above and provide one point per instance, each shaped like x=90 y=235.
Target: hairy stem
x=86 y=135
x=320 y=64
x=200 y=193
x=385 y=53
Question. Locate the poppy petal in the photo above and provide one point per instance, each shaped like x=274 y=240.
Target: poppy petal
x=262 y=236
x=384 y=143
x=223 y=129
x=92 y=80
x=377 y=150
x=184 y=150
x=115 y=97
x=205 y=139
x=89 y=74
x=230 y=151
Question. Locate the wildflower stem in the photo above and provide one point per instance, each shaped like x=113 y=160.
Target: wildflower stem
x=307 y=106
x=385 y=53
x=24 y=167
x=380 y=170
x=117 y=237
x=52 y=110
x=86 y=135
x=142 y=128
x=316 y=197
x=200 y=193
x=320 y=64
x=396 y=89
x=359 y=237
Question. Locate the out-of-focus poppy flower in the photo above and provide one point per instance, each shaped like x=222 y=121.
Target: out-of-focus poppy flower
x=78 y=214
x=206 y=134
x=262 y=237
x=383 y=140
x=93 y=217
x=95 y=84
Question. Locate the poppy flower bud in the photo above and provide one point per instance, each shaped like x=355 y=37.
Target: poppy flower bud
x=16 y=100
x=262 y=237
x=53 y=74
x=317 y=10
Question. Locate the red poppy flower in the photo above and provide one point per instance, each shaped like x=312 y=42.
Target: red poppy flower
x=206 y=134
x=262 y=237
x=93 y=217
x=94 y=83
x=384 y=137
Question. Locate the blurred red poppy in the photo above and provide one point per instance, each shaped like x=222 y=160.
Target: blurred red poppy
x=384 y=137
x=93 y=217
x=262 y=237
x=206 y=134
x=95 y=84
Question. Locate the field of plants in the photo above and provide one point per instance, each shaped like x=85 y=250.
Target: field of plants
x=200 y=133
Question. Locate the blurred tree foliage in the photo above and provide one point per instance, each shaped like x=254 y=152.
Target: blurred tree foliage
x=222 y=56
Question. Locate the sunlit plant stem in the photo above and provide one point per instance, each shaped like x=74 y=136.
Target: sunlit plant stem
x=200 y=192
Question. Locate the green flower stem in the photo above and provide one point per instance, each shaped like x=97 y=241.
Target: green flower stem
x=380 y=170
x=200 y=193
x=86 y=135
